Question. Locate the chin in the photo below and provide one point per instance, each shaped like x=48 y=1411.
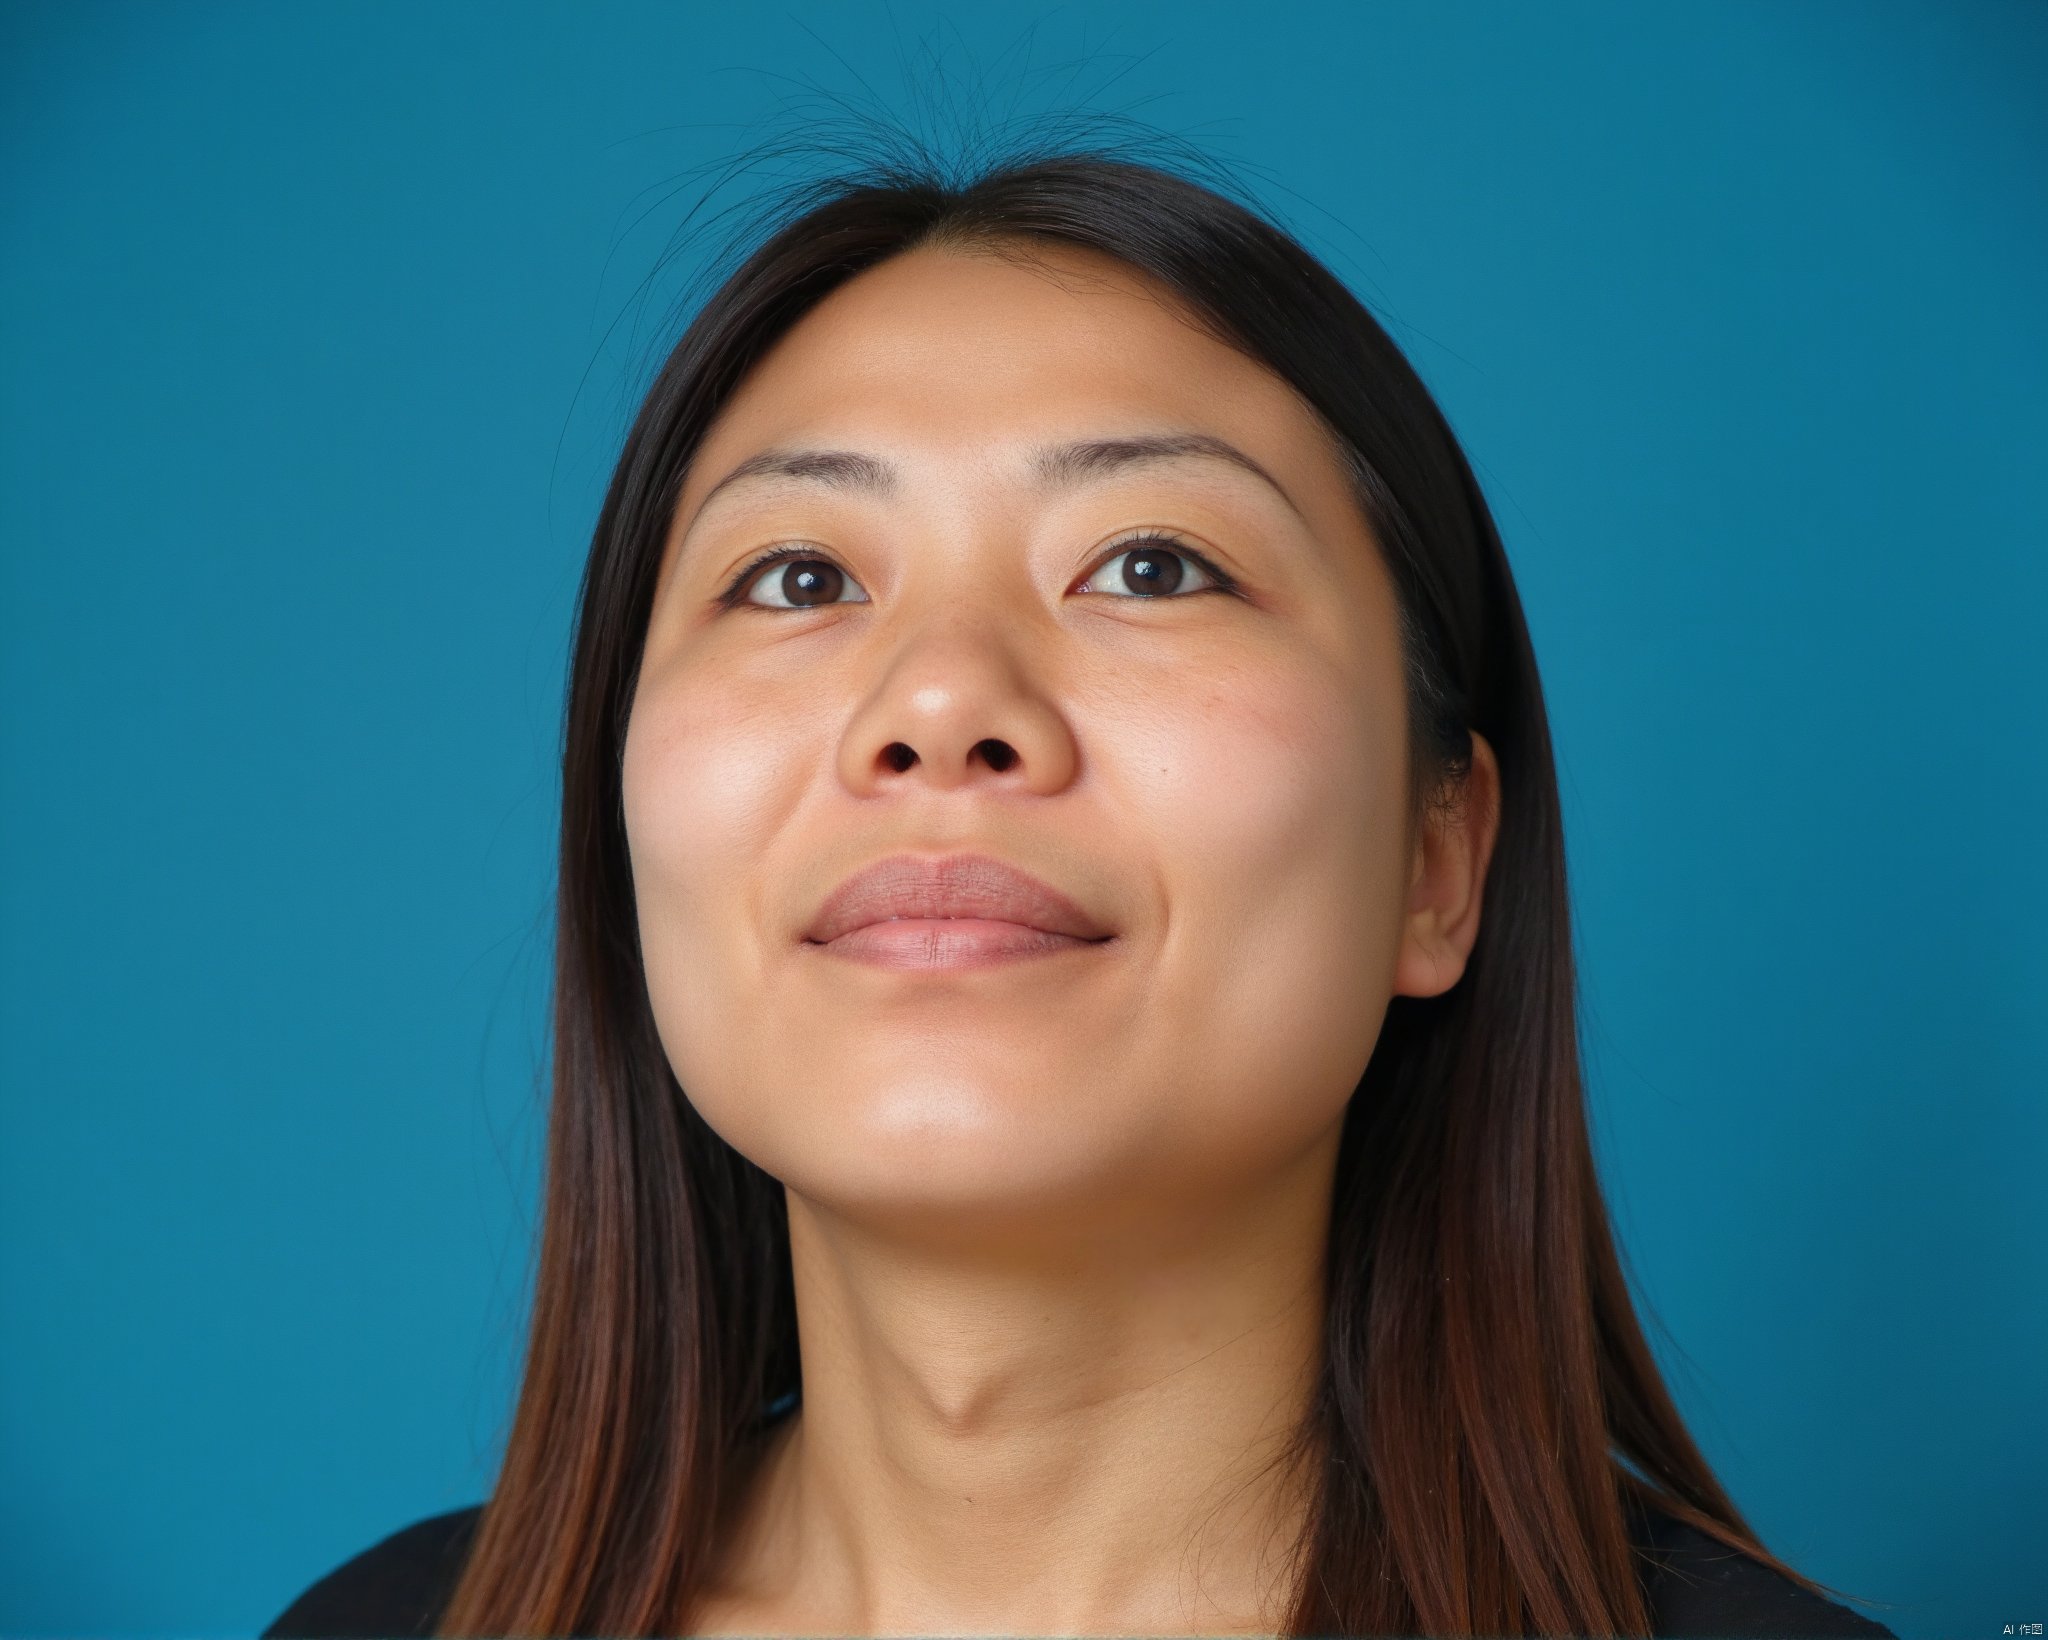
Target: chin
x=947 y=1159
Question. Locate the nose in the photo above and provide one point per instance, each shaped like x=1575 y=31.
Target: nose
x=960 y=711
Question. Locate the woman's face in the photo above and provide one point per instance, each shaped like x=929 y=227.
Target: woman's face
x=1218 y=777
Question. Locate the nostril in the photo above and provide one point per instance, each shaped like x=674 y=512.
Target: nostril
x=999 y=756
x=900 y=756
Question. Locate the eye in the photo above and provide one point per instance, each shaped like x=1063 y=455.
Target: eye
x=1152 y=572
x=809 y=581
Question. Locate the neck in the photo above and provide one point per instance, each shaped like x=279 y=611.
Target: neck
x=1053 y=1440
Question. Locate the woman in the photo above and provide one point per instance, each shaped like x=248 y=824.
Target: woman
x=1066 y=1110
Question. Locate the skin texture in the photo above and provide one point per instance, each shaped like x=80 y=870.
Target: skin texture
x=1057 y=1226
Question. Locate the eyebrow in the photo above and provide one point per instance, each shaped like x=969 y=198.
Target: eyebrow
x=1054 y=466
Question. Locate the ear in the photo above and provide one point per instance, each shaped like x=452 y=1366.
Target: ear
x=1447 y=879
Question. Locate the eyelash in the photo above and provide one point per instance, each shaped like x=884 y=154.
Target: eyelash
x=735 y=593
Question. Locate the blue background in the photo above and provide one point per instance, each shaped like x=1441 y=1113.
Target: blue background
x=321 y=328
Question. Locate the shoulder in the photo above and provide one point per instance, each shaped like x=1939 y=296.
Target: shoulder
x=394 y=1588
x=1699 y=1587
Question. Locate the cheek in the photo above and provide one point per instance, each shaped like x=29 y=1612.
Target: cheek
x=705 y=787
x=1276 y=801
x=1278 y=790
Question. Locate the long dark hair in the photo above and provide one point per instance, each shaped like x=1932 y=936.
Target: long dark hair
x=1489 y=1418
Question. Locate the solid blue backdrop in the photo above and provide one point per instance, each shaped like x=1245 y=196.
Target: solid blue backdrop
x=321 y=327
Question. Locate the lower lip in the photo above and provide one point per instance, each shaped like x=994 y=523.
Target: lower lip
x=948 y=943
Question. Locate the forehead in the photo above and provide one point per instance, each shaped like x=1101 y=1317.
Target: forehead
x=968 y=360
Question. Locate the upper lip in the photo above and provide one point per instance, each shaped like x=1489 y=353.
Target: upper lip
x=951 y=885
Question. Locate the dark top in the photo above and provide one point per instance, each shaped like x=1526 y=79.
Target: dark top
x=1697 y=1587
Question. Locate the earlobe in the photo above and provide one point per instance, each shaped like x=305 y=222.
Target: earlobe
x=1447 y=882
